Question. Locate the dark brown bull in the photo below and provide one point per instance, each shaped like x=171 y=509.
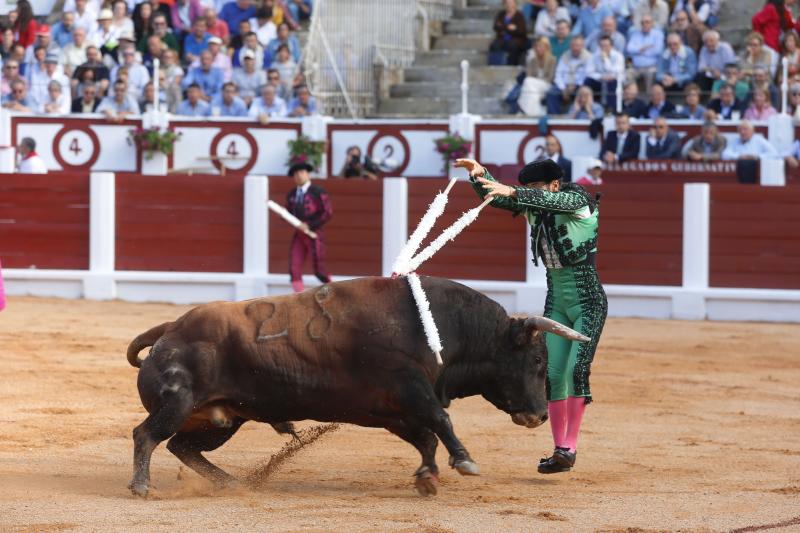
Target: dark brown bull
x=353 y=352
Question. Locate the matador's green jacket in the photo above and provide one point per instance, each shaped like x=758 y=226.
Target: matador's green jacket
x=567 y=221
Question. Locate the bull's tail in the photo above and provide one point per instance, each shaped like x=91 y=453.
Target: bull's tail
x=148 y=338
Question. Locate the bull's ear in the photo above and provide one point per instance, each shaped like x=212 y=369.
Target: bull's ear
x=523 y=332
x=545 y=324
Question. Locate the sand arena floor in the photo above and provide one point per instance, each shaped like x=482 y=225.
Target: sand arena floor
x=695 y=427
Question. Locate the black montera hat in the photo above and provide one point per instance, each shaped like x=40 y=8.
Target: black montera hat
x=299 y=166
x=543 y=170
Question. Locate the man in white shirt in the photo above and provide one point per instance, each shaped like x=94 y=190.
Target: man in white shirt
x=74 y=54
x=39 y=86
x=749 y=145
x=85 y=16
x=29 y=160
x=570 y=75
x=606 y=68
x=268 y=106
x=57 y=102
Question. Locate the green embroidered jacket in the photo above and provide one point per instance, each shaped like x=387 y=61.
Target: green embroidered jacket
x=562 y=222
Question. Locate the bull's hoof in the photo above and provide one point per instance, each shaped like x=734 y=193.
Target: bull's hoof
x=467 y=467
x=426 y=482
x=139 y=489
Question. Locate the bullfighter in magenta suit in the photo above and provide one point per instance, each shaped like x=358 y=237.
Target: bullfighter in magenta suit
x=312 y=205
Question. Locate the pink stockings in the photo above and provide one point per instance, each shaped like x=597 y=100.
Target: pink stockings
x=565 y=421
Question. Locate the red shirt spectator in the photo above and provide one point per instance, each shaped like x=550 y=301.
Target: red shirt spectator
x=25 y=26
x=215 y=26
x=769 y=23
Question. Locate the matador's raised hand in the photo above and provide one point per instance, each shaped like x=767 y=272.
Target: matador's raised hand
x=473 y=167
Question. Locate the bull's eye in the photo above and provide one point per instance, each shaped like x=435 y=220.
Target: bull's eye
x=538 y=360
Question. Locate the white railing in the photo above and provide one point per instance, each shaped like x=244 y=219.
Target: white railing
x=348 y=38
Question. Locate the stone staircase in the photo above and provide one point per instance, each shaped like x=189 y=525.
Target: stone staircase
x=431 y=86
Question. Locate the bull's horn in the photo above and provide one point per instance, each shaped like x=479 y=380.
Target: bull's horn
x=545 y=324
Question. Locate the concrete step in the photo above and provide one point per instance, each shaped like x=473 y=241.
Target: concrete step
x=477 y=74
x=478 y=13
x=440 y=107
x=451 y=58
x=474 y=41
x=467 y=26
x=445 y=90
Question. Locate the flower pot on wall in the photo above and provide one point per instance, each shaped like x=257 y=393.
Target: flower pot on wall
x=157 y=166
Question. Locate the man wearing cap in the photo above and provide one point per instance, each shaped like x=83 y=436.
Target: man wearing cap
x=593 y=172
x=249 y=78
x=43 y=39
x=311 y=204
x=39 y=91
x=221 y=61
x=106 y=35
x=564 y=223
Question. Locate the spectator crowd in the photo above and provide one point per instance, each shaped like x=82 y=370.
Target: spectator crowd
x=669 y=52
x=212 y=57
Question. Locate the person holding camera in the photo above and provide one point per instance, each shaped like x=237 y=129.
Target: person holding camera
x=354 y=168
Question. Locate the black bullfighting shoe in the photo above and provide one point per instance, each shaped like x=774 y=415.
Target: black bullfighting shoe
x=564 y=457
x=554 y=464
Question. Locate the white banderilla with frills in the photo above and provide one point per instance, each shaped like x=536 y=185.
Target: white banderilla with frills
x=406 y=262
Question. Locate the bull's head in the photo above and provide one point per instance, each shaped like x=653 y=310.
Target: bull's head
x=515 y=380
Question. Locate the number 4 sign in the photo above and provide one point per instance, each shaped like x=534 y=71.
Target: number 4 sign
x=235 y=151
x=76 y=148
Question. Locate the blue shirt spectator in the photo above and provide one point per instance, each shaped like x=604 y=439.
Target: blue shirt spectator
x=645 y=46
x=284 y=38
x=61 y=32
x=228 y=104
x=303 y=104
x=206 y=76
x=269 y=105
x=749 y=145
x=678 y=64
x=714 y=55
x=194 y=106
x=573 y=66
x=235 y=12
x=194 y=43
x=590 y=17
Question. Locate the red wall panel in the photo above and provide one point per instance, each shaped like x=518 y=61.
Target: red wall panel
x=44 y=221
x=353 y=236
x=641 y=229
x=179 y=223
x=492 y=248
x=755 y=242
